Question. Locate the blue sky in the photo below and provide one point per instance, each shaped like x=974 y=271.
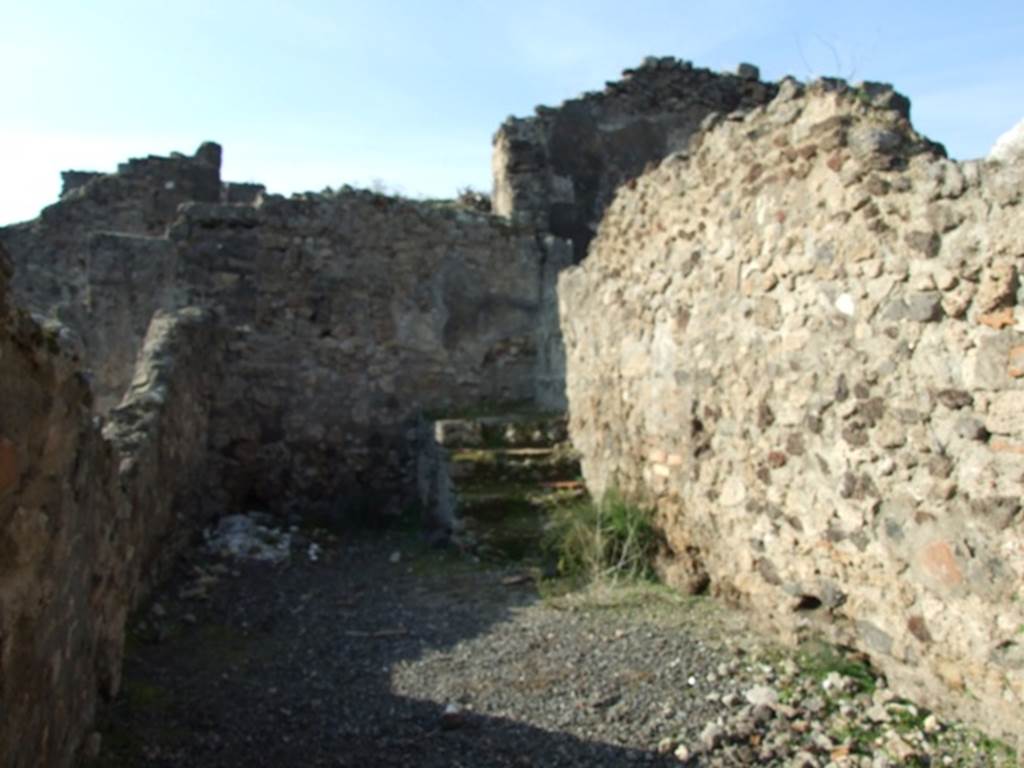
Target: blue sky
x=303 y=95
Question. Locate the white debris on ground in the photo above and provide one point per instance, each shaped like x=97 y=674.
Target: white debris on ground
x=251 y=536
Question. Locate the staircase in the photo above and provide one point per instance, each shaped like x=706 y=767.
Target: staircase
x=489 y=482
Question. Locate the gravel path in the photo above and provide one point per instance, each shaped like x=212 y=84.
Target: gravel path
x=383 y=652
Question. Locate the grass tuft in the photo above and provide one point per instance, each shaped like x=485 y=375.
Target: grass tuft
x=818 y=659
x=608 y=540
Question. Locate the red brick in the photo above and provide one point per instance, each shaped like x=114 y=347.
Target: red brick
x=1006 y=446
x=939 y=561
x=998 y=319
x=1017 y=361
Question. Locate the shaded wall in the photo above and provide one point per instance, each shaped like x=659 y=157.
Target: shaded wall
x=558 y=171
x=86 y=518
x=347 y=316
x=51 y=252
x=98 y=263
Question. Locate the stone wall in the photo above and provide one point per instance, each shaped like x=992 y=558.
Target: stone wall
x=558 y=171
x=83 y=517
x=803 y=343
x=98 y=263
x=348 y=315
x=160 y=435
x=339 y=319
x=128 y=278
x=51 y=252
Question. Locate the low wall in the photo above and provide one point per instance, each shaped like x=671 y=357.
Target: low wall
x=159 y=433
x=82 y=517
x=803 y=343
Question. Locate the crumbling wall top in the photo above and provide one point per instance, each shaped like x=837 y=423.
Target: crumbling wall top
x=558 y=170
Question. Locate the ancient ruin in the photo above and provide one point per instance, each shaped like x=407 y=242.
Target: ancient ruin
x=774 y=312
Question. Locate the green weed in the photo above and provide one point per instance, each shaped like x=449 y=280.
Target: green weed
x=819 y=658
x=607 y=540
x=998 y=752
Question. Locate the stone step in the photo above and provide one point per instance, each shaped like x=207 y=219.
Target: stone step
x=492 y=480
x=503 y=523
x=521 y=465
x=502 y=431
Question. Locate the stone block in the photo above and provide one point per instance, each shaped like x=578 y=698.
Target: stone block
x=940 y=563
x=997 y=319
x=925 y=307
x=998 y=288
x=989 y=365
x=1006 y=413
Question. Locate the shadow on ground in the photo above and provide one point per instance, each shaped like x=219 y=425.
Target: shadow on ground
x=260 y=665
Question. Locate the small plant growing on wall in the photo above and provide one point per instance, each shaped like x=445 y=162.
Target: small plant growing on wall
x=473 y=199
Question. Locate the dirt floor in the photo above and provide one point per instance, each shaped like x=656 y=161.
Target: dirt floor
x=380 y=650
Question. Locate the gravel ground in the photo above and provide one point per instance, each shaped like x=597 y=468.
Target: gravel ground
x=380 y=651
